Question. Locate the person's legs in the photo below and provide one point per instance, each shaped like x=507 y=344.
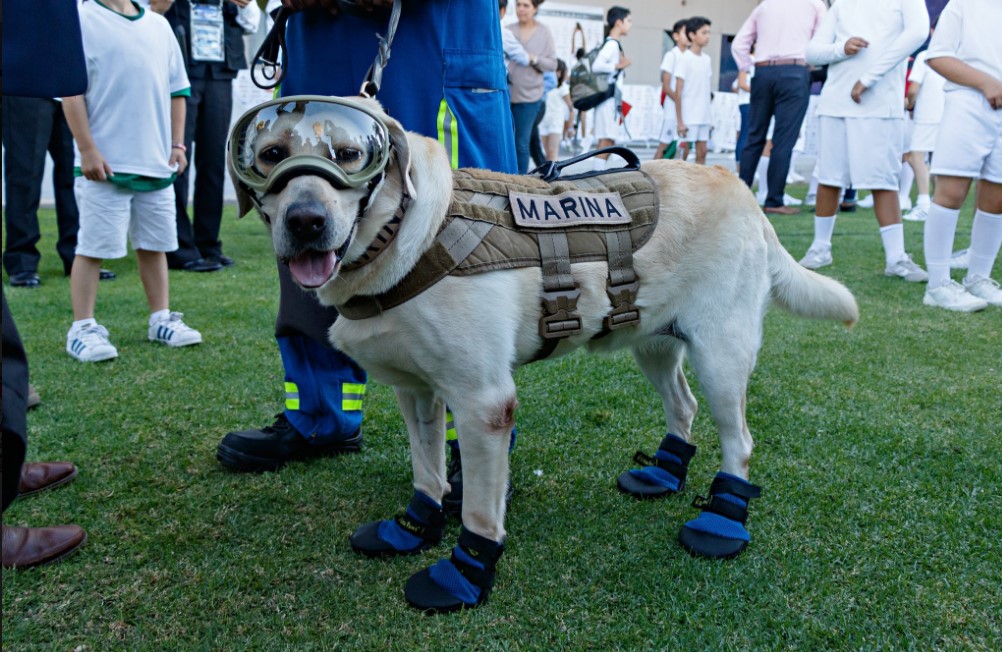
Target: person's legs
x=186 y=252
x=210 y=161
x=83 y=286
x=743 y=110
x=791 y=93
x=700 y=152
x=67 y=213
x=535 y=146
x=760 y=107
x=523 y=114
x=551 y=143
x=986 y=239
x=26 y=125
x=153 y=273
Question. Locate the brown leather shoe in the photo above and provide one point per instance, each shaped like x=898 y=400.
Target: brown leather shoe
x=39 y=476
x=782 y=210
x=24 y=547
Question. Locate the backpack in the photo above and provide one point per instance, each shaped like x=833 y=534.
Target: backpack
x=589 y=89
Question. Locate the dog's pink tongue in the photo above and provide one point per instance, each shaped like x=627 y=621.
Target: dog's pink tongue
x=313 y=268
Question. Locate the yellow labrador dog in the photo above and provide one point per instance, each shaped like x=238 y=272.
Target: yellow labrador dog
x=332 y=177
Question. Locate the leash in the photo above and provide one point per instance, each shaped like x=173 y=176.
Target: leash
x=273 y=51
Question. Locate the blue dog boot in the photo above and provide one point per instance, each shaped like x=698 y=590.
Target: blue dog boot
x=417 y=529
x=661 y=475
x=463 y=581
x=719 y=531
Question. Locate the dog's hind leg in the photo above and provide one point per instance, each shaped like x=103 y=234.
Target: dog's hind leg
x=723 y=358
x=422 y=524
x=664 y=474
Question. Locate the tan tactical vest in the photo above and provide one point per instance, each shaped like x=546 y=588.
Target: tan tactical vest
x=498 y=222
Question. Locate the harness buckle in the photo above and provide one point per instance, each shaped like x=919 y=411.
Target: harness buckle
x=624 y=309
x=560 y=318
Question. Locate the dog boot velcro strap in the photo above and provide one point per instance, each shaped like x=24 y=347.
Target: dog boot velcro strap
x=417 y=529
x=719 y=531
x=661 y=475
x=464 y=580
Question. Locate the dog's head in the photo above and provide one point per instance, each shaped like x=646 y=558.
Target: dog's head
x=312 y=166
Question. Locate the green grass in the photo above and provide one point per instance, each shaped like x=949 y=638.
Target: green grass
x=878 y=449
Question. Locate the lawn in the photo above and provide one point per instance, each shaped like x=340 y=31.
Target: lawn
x=878 y=450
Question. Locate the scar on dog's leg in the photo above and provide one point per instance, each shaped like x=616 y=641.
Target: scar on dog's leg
x=424 y=414
x=662 y=365
x=723 y=366
x=484 y=430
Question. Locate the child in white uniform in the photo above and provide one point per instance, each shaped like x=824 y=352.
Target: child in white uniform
x=694 y=87
x=966 y=51
x=861 y=117
x=556 y=120
x=926 y=99
x=669 y=63
x=611 y=61
x=129 y=132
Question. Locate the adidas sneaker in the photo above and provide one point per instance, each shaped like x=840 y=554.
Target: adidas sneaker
x=173 y=332
x=90 y=343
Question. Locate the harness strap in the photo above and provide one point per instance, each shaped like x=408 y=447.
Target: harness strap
x=622 y=284
x=560 y=318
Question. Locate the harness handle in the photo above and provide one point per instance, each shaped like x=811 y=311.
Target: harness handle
x=374 y=77
x=270 y=54
x=550 y=171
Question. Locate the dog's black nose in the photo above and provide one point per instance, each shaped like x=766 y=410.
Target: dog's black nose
x=306 y=220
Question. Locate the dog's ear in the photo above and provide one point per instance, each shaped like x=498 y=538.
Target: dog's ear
x=244 y=203
x=401 y=149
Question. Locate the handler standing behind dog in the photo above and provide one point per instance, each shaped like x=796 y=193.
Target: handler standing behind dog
x=445 y=80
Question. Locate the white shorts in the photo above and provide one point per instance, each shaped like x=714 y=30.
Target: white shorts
x=552 y=123
x=698 y=132
x=924 y=137
x=669 y=123
x=607 y=124
x=862 y=152
x=108 y=213
x=970 y=138
x=908 y=134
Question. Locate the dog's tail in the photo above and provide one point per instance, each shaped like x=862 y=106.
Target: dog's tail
x=803 y=292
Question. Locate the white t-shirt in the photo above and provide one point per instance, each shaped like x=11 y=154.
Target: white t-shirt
x=969 y=30
x=894 y=29
x=607 y=59
x=134 y=64
x=696 y=71
x=669 y=63
x=931 y=97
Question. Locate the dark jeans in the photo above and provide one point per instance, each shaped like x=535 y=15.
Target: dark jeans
x=206 y=124
x=523 y=115
x=535 y=144
x=783 y=92
x=32 y=127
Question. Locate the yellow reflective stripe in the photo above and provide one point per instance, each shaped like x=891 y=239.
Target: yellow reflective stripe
x=448 y=134
x=291 y=396
x=351 y=396
x=450 y=427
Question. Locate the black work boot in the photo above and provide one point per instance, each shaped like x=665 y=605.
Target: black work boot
x=269 y=448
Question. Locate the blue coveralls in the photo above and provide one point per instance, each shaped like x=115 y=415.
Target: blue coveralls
x=445 y=79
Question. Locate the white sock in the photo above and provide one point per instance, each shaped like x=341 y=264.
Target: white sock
x=986 y=238
x=598 y=163
x=159 y=315
x=923 y=201
x=763 y=178
x=905 y=183
x=812 y=187
x=940 y=226
x=82 y=323
x=823 y=229
x=894 y=242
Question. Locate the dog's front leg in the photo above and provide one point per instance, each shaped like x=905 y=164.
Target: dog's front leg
x=422 y=523
x=483 y=423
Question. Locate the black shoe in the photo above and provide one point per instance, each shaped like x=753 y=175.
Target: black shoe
x=452 y=503
x=25 y=280
x=847 y=207
x=224 y=260
x=269 y=448
x=201 y=265
x=107 y=275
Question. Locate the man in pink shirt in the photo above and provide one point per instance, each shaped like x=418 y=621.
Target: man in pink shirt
x=780 y=31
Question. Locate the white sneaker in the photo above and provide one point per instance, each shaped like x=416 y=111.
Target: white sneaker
x=953 y=296
x=90 y=344
x=905 y=202
x=811 y=199
x=984 y=288
x=791 y=201
x=817 y=257
x=917 y=214
x=866 y=202
x=793 y=177
x=960 y=259
x=173 y=332
x=908 y=270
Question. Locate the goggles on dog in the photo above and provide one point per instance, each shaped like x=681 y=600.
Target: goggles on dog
x=336 y=138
